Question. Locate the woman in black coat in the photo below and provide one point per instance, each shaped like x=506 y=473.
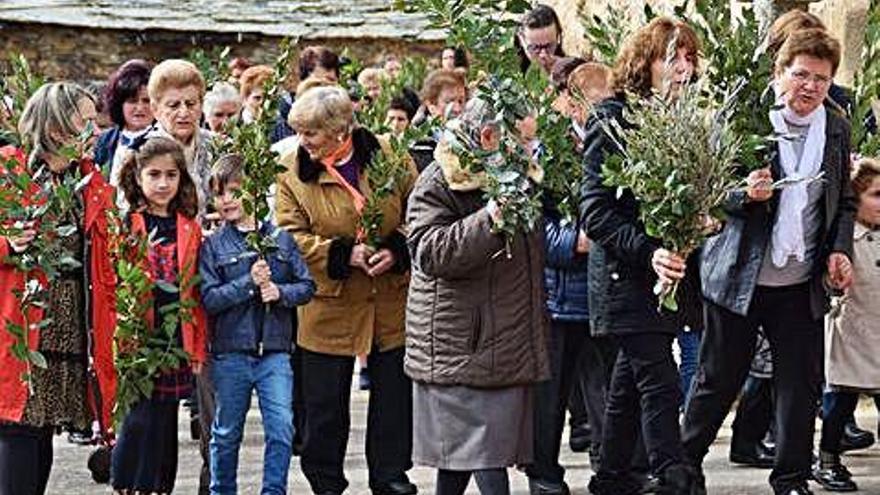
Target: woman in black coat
x=624 y=265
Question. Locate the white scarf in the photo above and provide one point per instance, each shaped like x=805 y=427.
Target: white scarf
x=788 y=231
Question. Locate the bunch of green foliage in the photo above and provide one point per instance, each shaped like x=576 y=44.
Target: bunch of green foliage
x=679 y=161
x=385 y=176
x=252 y=142
x=44 y=201
x=519 y=180
x=143 y=351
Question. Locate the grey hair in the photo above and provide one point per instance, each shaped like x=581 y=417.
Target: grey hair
x=48 y=115
x=323 y=108
x=477 y=114
x=221 y=92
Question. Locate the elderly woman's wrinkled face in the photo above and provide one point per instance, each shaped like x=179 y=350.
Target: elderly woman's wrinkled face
x=221 y=114
x=804 y=84
x=319 y=143
x=136 y=111
x=179 y=110
x=670 y=79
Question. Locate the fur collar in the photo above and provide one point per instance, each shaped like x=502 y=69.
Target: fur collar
x=456 y=176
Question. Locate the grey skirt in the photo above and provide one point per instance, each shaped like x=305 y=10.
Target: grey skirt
x=464 y=428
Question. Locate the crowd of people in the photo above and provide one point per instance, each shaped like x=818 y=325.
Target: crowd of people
x=474 y=347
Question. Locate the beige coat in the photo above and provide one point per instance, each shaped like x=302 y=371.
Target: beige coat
x=852 y=332
x=350 y=311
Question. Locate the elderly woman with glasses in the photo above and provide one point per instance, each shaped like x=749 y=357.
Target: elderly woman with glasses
x=176 y=90
x=772 y=263
x=361 y=292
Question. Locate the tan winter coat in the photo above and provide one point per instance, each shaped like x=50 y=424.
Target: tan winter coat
x=474 y=317
x=350 y=311
x=852 y=332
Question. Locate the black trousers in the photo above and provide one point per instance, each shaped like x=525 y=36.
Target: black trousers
x=25 y=459
x=326 y=383
x=645 y=391
x=551 y=397
x=796 y=345
x=754 y=414
x=206 y=404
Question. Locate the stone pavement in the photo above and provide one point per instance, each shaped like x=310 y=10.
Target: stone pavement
x=70 y=477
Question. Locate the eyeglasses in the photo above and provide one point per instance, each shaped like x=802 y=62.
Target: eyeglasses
x=802 y=76
x=536 y=48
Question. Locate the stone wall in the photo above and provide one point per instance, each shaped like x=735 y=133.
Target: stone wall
x=844 y=18
x=89 y=54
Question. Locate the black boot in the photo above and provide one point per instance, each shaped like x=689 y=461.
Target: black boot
x=752 y=454
x=855 y=438
x=832 y=475
x=605 y=483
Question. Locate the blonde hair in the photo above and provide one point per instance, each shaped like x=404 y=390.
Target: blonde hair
x=174 y=73
x=252 y=78
x=864 y=171
x=371 y=75
x=48 y=114
x=325 y=108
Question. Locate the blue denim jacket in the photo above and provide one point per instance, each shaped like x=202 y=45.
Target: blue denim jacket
x=236 y=315
x=565 y=273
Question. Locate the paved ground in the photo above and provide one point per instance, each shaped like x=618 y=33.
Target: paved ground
x=69 y=475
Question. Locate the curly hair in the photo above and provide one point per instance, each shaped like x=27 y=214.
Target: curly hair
x=632 y=71
x=253 y=78
x=185 y=202
x=124 y=84
x=864 y=171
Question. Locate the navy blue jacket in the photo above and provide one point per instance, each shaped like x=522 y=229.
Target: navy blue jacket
x=565 y=272
x=105 y=147
x=236 y=315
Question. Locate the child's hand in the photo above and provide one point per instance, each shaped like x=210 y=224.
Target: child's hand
x=269 y=292
x=21 y=241
x=261 y=274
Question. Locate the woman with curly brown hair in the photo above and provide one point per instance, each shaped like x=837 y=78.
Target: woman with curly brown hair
x=624 y=264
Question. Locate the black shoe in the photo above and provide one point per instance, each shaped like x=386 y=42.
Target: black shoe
x=832 y=475
x=547 y=487
x=403 y=487
x=855 y=438
x=679 y=479
x=755 y=455
x=99 y=464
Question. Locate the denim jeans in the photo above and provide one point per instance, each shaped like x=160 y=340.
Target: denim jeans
x=235 y=376
x=689 y=343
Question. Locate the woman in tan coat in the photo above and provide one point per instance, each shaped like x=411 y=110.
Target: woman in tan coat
x=361 y=294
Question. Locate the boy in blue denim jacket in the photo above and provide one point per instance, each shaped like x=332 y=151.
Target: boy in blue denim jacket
x=251 y=305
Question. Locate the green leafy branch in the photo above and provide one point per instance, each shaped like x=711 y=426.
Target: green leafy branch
x=679 y=161
x=385 y=176
x=45 y=202
x=252 y=142
x=143 y=351
x=213 y=64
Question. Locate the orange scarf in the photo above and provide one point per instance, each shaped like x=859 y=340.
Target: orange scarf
x=330 y=162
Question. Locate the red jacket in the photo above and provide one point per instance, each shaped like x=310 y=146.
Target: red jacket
x=189 y=240
x=98 y=198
